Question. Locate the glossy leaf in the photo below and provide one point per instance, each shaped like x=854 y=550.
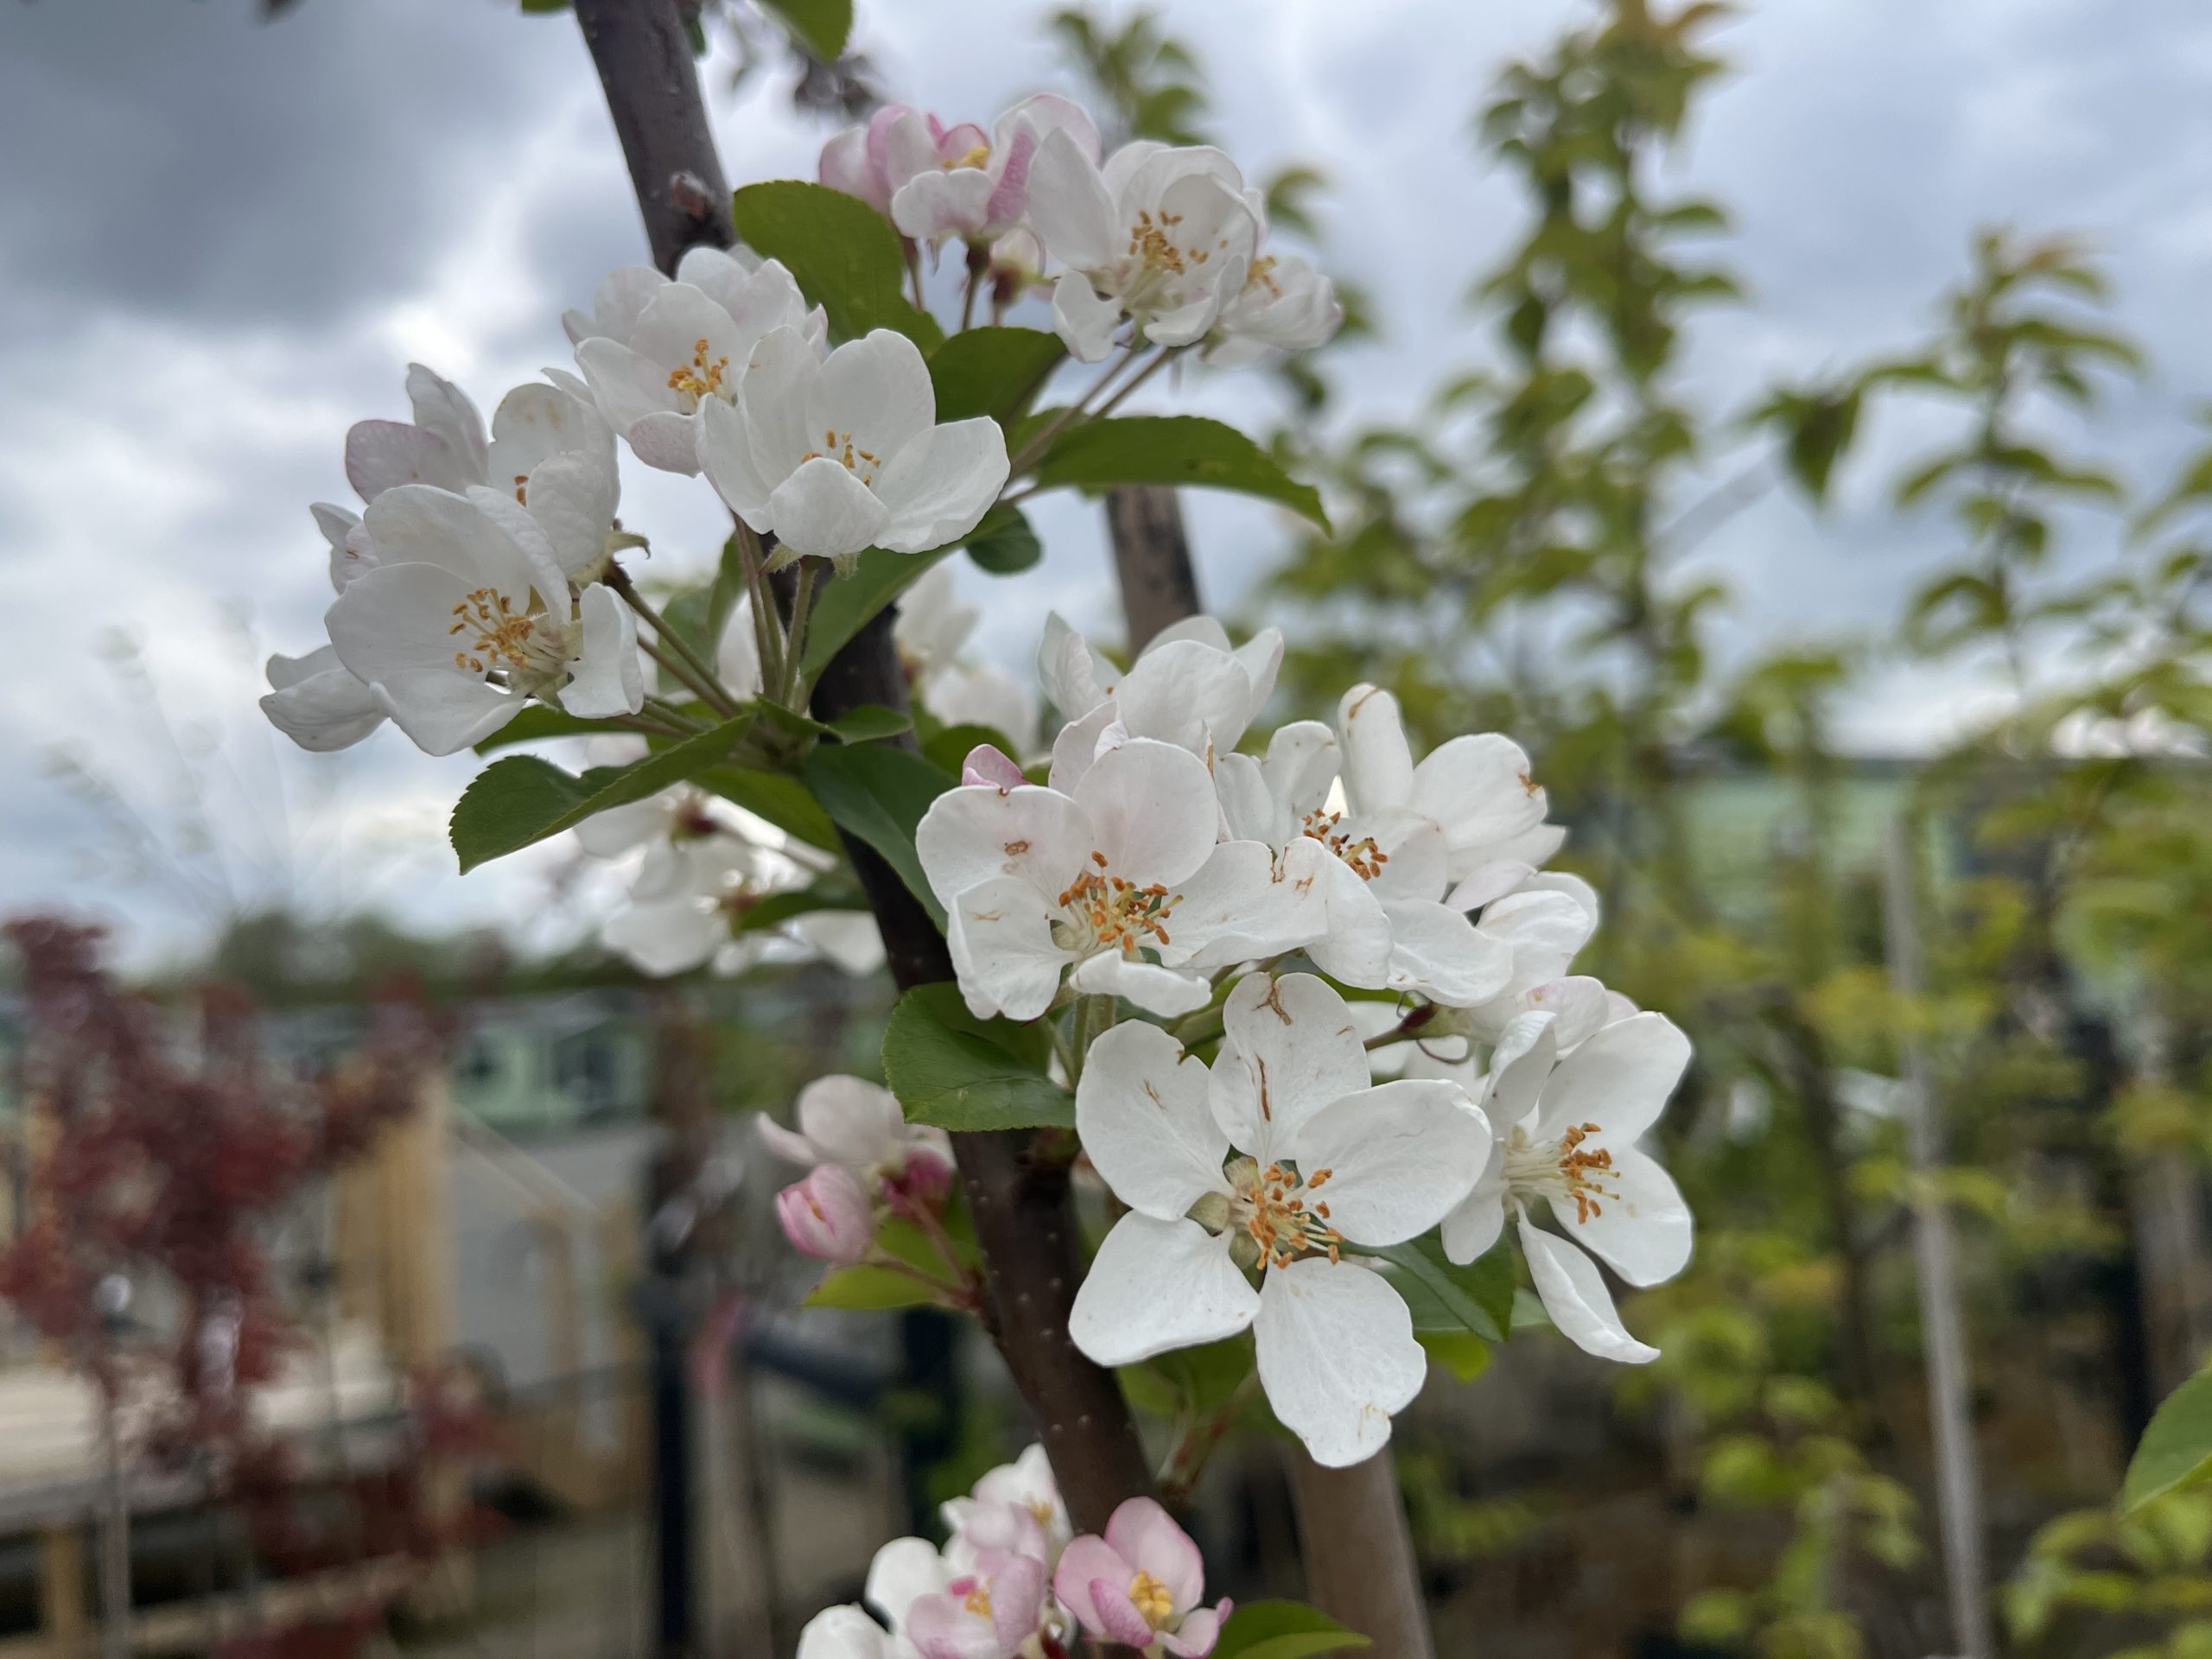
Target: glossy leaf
x=1282 y=1629
x=994 y=372
x=2176 y=1448
x=952 y=1068
x=878 y=794
x=1003 y=544
x=847 y=604
x=1179 y=449
x=844 y=254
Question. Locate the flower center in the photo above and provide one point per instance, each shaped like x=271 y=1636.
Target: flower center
x=1365 y=857
x=500 y=638
x=1152 y=1599
x=1109 y=911
x=1271 y=1204
x=974 y=1595
x=698 y=378
x=839 y=448
x=1262 y=276
x=976 y=156
x=1157 y=259
x=1564 y=1171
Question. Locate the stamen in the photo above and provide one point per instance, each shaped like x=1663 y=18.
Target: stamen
x=1152 y=1599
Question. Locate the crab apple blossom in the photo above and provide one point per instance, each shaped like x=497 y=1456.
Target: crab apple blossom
x=857 y=1124
x=1161 y=236
x=1025 y=1486
x=1274 y=1161
x=838 y=454
x=1140 y=1584
x=1379 y=876
x=847 y=1632
x=933 y=181
x=313 y=701
x=1189 y=686
x=468 y=614
x=1568 y=1125
x=989 y=1604
x=1285 y=306
x=657 y=350
x=828 y=1215
x=444 y=445
x=1122 y=879
x=1542 y=922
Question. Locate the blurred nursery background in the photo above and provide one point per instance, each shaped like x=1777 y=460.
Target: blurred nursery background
x=1786 y=420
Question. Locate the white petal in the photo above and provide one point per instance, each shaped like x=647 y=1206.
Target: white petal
x=1302 y=762
x=1141 y=1113
x=1470 y=1231
x=1619 y=1079
x=1156 y=1285
x=381 y=454
x=1574 y=1295
x=1080 y=743
x=1519 y=1066
x=389 y=629
x=1074 y=677
x=778 y=381
x=943 y=202
x=626 y=384
x=1438 y=951
x=1000 y=934
x=443 y=408
x=1403 y=1155
x=1579 y=1004
x=725 y=455
x=1164 y=991
x=1337 y=1357
x=1378 y=763
x=737 y=660
x=843 y=1633
x=1288 y=1049
x=604 y=679
x=848 y=938
x=1189 y=695
x=667 y=440
x=1085 y=323
x=1068 y=207
x=874 y=392
x=1154 y=808
x=979 y=832
x=412 y=524
x=938 y=486
x=903 y=1572
x=1240 y=906
x=1544 y=930
x=822 y=508
x=1480 y=790
x=1354 y=944
x=318 y=703
x=852 y=1121
x=671 y=936
x=1643 y=1227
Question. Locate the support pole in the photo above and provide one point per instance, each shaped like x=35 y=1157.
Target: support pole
x=1958 y=1481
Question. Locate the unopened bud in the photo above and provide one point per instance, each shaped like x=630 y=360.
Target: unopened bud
x=828 y=1215
x=927 y=1179
x=988 y=764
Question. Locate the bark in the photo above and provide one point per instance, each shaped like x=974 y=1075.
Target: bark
x=644 y=59
x=1025 y=1220
x=1152 y=558
x=1022 y=1205
x=1357 y=1549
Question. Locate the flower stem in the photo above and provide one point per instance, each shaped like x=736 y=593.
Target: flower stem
x=687 y=665
x=767 y=634
x=1094 y=1017
x=792 y=694
x=1200 y=1434
x=1075 y=411
x=960 y=1296
x=663 y=709
x=1167 y=355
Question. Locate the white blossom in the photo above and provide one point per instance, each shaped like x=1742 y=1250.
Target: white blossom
x=836 y=455
x=858 y=1125
x=313 y=701
x=1189 y=686
x=1323 y=1160
x=656 y=351
x=933 y=181
x=1567 y=1127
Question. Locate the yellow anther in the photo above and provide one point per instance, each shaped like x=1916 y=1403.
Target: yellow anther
x=1152 y=1599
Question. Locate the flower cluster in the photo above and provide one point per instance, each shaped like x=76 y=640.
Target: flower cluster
x=867 y=1163
x=1169 y=240
x=1011 y=1580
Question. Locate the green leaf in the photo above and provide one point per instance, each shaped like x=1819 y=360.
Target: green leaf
x=821 y=26
x=779 y=907
x=959 y=1072
x=994 y=372
x=521 y=800
x=844 y=254
x=870 y=721
x=538 y=722
x=880 y=794
x=1477 y=1297
x=1282 y=1629
x=1463 y=1353
x=1003 y=544
x=2176 y=1448
x=850 y=603
x=1173 y=450
x=867 y=1289
x=776 y=796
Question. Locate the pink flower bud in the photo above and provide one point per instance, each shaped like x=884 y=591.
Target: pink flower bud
x=927 y=1179
x=988 y=764
x=828 y=1215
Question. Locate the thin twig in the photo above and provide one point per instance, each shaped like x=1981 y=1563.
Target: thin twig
x=795 y=652
x=694 y=672
x=1136 y=380
x=1074 y=411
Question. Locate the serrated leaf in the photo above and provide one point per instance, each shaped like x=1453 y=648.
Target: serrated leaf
x=522 y=800
x=776 y=797
x=994 y=372
x=1282 y=1629
x=844 y=254
x=1477 y=1297
x=867 y=1289
x=952 y=1068
x=821 y=26
x=1004 y=543
x=2176 y=1448
x=850 y=603
x=1177 y=449
x=538 y=722
x=878 y=794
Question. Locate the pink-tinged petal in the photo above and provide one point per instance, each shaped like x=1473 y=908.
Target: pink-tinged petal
x=1146 y=1535
x=1068 y=207
x=986 y=764
x=1141 y=1113
x=1017 y=1595
x=941 y=1627
x=844 y=166
x=1200 y=1632
x=931 y=206
x=828 y=1215
x=1087 y=1560
x=1158 y=1285
x=1010 y=196
x=902 y=146
x=852 y=1121
x=1118 y=1617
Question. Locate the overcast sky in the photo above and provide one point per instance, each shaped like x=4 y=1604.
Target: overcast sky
x=221 y=242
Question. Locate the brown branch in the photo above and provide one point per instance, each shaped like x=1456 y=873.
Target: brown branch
x=644 y=59
x=1151 y=557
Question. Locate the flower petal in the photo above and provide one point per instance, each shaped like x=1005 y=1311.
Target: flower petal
x=1085 y=322
x=1141 y=1113
x=1337 y=1357
x=666 y=935
x=1288 y=1049
x=1437 y=951
x=1403 y=1154
x=1086 y=1561
x=1471 y=1230
x=604 y=679
x=1163 y=991
x=1156 y=1285
x=1480 y=788
x=389 y=628
x=1574 y=1295
x=822 y=508
x=903 y=1572
x=725 y=455
x=318 y=703
x=1070 y=208
x=841 y=1633
x=1378 y=763
x=873 y=392
x=937 y=487
x=1643 y=1229
x=1146 y=1535
x=1189 y=695
x=979 y=832
x=1152 y=805
x=851 y=1121
x=1619 y=1079
x=1239 y=906
x=382 y=454
x=1000 y=934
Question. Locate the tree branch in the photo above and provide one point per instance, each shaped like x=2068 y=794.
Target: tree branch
x=643 y=59
x=1151 y=557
